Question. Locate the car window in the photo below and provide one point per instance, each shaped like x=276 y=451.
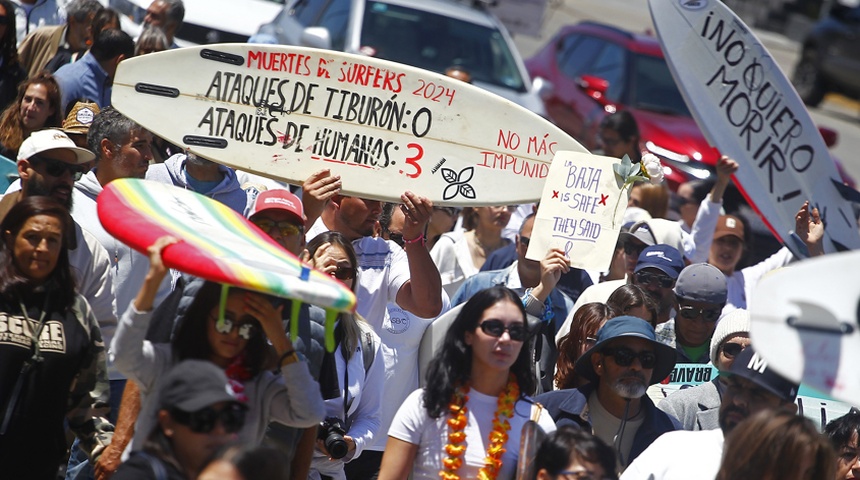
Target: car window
x=331 y=14
x=653 y=87
x=435 y=42
x=610 y=66
x=578 y=58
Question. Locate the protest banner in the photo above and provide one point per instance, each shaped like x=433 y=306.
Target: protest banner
x=748 y=109
x=286 y=112
x=580 y=210
x=812 y=404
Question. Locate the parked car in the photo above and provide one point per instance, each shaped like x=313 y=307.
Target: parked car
x=593 y=70
x=830 y=58
x=430 y=34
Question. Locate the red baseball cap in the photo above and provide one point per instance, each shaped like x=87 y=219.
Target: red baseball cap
x=278 y=199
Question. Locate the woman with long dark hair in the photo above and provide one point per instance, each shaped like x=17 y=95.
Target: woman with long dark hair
x=37 y=106
x=466 y=422
x=52 y=358
x=234 y=338
x=359 y=365
x=583 y=335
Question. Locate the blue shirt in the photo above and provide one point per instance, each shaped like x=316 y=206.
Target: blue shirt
x=84 y=79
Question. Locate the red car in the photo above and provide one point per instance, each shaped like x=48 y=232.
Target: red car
x=596 y=69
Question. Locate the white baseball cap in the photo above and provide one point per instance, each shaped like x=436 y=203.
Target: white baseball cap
x=52 y=139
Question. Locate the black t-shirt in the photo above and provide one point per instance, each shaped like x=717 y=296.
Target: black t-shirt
x=146 y=467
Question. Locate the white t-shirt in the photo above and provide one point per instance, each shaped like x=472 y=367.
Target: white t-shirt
x=383 y=269
x=679 y=455
x=401 y=335
x=413 y=425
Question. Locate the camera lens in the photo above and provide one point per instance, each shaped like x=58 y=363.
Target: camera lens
x=336 y=445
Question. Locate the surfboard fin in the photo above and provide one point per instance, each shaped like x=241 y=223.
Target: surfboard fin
x=294 y=319
x=330 y=318
x=222 y=304
x=819 y=319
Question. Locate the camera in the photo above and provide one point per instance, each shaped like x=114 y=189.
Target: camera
x=331 y=432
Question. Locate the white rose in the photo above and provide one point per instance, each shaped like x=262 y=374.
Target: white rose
x=653 y=168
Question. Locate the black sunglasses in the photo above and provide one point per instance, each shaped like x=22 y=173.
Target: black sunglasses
x=246 y=329
x=707 y=314
x=56 y=168
x=344 y=273
x=285 y=228
x=732 y=350
x=525 y=241
x=231 y=417
x=645 y=278
x=624 y=357
x=495 y=328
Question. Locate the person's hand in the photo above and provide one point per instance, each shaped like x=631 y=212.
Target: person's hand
x=261 y=308
x=553 y=265
x=157 y=269
x=725 y=168
x=323 y=260
x=318 y=189
x=810 y=228
x=108 y=462
x=418 y=211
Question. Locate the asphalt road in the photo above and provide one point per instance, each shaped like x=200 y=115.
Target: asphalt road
x=836 y=112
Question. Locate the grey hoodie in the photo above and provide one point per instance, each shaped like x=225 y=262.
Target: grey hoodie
x=229 y=191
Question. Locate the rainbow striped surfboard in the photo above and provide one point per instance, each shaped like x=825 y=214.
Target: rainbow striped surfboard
x=217 y=243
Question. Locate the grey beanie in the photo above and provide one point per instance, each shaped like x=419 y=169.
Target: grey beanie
x=738 y=321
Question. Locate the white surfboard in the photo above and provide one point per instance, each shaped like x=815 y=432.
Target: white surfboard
x=286 y=112
x=748 y=109
x=805 y=323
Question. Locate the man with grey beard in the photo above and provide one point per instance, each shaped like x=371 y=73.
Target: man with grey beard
x=626 y=359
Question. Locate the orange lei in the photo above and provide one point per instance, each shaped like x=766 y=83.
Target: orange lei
x=455 y=447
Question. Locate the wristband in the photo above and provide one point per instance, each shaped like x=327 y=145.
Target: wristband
x=287 y=358
x=418 y=239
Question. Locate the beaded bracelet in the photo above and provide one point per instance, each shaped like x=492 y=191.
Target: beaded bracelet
x=418 y=239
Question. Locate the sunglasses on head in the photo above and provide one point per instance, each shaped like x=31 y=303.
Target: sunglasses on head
x=645 y=278
x=732 y=350
x=707 y=314
x=231 y=417
x=343 y=273
x=285 y=228
x=495 y=328
x=56 y=168
x=246 y=329
x=624 y=357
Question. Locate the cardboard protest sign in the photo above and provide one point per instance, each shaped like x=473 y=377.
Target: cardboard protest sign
x=580 y=211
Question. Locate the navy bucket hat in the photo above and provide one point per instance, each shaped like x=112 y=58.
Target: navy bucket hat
x=633 y=327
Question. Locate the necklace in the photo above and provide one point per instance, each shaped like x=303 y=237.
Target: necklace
x=498 y=435
x=485 y=250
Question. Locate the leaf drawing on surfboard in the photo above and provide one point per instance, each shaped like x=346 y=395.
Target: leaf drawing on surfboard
x=458 y=184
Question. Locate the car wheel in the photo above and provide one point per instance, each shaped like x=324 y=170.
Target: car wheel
x=807 y=80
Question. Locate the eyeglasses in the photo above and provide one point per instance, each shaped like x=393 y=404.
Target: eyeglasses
x=56 y=168
x=511 y=208
x=707 y=314
x=580 y=475
x=495 y=328
x=396 y=238
x=631 y=248
x=344 y=273
x=285 y=228
x=525 y=241
x=450 y=211
x=231 y=417
x=624 y=357
x=246 y=329
x=645 y=278
x=731 y=350
x=589 y=341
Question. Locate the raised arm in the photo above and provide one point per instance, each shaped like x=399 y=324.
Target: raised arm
x=422 y=293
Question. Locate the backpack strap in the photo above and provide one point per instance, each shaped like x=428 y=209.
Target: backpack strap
x=155 y=464
x=368 y=347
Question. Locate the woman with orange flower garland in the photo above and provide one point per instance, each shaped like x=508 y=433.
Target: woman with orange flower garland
x=466 y=422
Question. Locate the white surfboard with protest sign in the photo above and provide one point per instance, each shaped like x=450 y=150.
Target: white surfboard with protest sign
x=580 y=212
x=748 y=109
x=286 y=112
x=805 y=323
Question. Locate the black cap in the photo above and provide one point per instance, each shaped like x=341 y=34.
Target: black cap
x=752 y=366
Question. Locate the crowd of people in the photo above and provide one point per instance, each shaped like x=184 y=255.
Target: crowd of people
x=114 y=366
